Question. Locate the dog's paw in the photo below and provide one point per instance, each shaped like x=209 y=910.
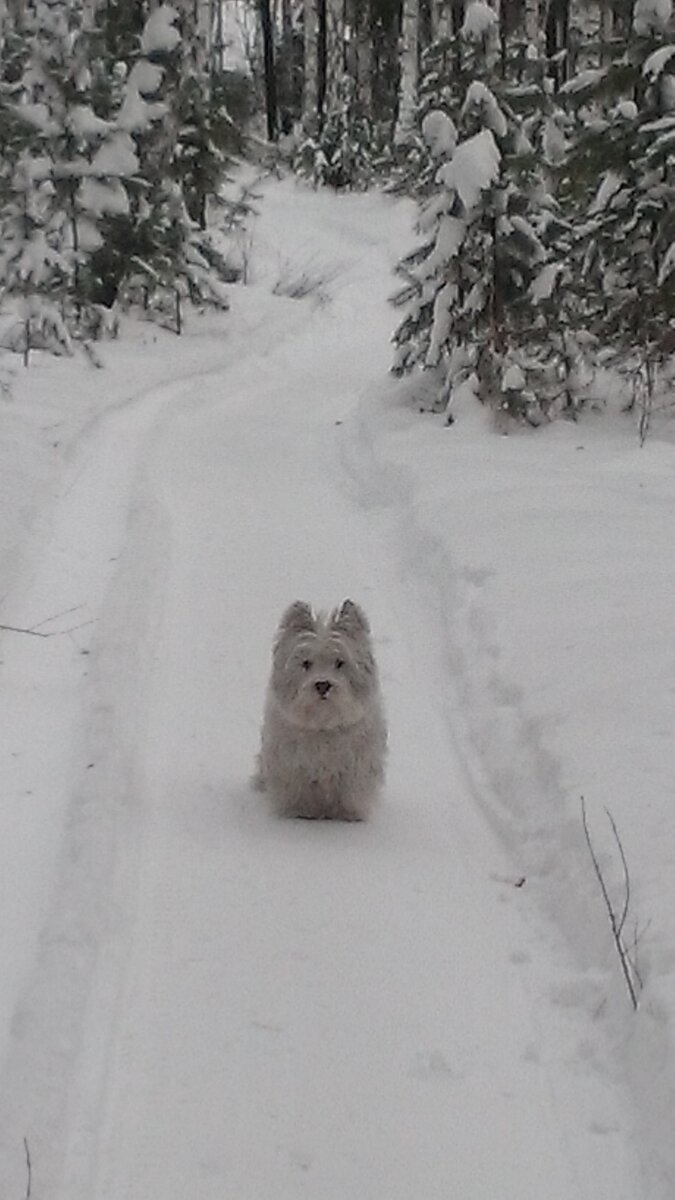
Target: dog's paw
x=349 y=814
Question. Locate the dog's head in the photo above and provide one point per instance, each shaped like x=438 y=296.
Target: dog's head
x=323 y=669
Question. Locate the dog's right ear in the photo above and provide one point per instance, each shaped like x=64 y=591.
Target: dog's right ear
x=297 y=619
x=350 y=619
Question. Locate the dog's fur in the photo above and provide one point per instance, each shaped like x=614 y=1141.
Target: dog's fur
x=324 y=736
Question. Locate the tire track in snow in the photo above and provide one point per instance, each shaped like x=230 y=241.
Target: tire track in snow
x=310 y=1011
x=72 y=741
x=288 y=1010
x=514 y=783
x=72 y=711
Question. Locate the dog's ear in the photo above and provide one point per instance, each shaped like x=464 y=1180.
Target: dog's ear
x=350 y=619
x=297 y=618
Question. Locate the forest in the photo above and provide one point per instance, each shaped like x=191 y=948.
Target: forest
x=537 y=138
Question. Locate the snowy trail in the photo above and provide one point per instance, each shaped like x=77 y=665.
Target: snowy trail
x=248 y=1008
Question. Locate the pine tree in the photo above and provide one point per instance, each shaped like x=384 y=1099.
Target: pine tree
x=63 y=171
x=620 y=187
x=474 y=285
x=159 y=252
x=341 y=154
x=106 y=167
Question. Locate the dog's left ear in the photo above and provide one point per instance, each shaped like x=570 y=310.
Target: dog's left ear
x=350 y=619
x=297 y=618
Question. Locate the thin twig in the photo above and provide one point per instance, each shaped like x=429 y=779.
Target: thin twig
x=38 y=631
x=66 y=613
x=634 y=949
x=29 y=1169
x=626 y=877
x=30 y=632
x=627 y=967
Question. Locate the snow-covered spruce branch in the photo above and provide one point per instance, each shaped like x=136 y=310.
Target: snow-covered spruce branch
x=617 y=919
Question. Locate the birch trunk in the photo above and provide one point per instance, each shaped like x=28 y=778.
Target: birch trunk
x=310 y=92
x=584 y=27
x=533 y=24
x=407 y=95
x=195 y=25
x=285 y=66
x=441 y=20
x=335 y=27
x=606 y=26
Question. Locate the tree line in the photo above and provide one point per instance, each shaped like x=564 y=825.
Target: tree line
x=114 y=137
x=538 y=137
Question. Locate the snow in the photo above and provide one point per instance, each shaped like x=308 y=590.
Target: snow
x=607 y=191
x=655 y=63
x=117 y=156
x=439 y=133
x=38 y=116
x=478 y=96
x=480 y=21
x=200 y=1000
x=449 y=238
x=667 y=266
x=554 y=143
x=83 y=123
x=160 y=35
x=136 y=111
x=651 y=16
x=583 y=80
x=474 y=167
x=513 y=379
x=544 y=283
x=98 y=197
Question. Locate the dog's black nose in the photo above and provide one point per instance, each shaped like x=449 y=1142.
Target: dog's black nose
x=323 y=686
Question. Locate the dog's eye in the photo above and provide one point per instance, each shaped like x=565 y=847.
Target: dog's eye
x=339 y=664
x=306 y=664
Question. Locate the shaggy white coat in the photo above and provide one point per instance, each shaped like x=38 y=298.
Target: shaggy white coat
x=324 y=736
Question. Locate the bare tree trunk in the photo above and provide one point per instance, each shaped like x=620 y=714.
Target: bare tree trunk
x=310 y=93
x=335 y=33
x=584 y=27
x=407 y=95
x=270 y=77
x=89 y=13
x=362 y=62
x=441 y=20
x=557 y=27
x=217 y=38
x=533 y=23
x=606 y=26
x=204 y=25
x=195 y=33
x=285 y=67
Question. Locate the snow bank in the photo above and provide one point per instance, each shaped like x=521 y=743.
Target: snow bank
x=547 y=560
x=160 y=937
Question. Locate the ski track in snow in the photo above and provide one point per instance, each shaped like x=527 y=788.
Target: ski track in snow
x=221 y=1004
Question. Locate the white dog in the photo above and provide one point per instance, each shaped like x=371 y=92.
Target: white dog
x=324 y=736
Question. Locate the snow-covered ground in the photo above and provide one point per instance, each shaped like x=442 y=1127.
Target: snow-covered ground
x=198 y=1000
